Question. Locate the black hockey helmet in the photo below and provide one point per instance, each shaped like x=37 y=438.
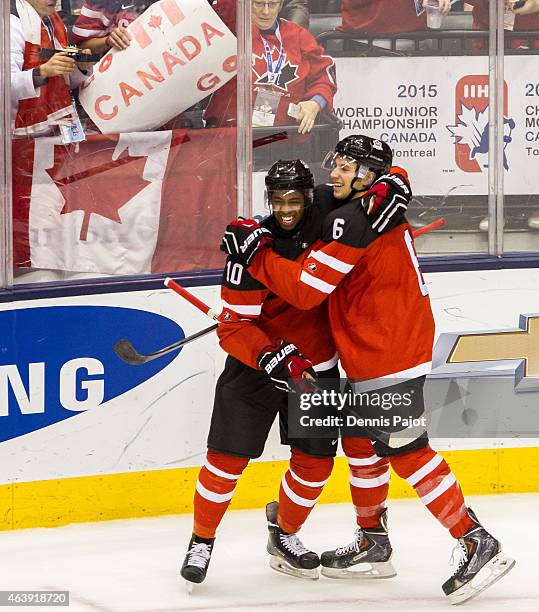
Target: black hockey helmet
x=293 y=175
x=369 y=153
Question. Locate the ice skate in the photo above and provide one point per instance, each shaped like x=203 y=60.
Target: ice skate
x=288 y=555
x=479 y=564
x=197 y=559
x=368 y=556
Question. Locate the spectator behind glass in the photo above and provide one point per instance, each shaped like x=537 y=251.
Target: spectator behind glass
x=40 y=89
x=102 y=24
x=296 y=11
x=386 y=16
x=526 y=18
x=304 y=76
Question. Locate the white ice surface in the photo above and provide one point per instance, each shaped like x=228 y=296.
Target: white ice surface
x=132 y=565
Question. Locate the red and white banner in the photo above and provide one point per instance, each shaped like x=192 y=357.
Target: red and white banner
x=124 y=204
x=433 y=112
x=181 y=52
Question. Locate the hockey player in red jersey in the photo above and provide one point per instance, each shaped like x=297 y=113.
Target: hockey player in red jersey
x=383 y=328
x=261 y=366
x=260 y=332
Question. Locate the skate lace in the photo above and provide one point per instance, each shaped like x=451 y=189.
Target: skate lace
x=459 y=556
x=352 y=547
x=199 y=555
x=293 y=544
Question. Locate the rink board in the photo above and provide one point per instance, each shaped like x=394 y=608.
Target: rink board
x=85 y=437
x=116 y=496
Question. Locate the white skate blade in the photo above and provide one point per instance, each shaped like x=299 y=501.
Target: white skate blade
x=189 y=587
x=361 y=571
x=280 y=565
x=495 y=569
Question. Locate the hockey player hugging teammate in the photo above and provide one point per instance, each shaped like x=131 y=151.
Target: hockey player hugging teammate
x=262 y=334
x=382 y=324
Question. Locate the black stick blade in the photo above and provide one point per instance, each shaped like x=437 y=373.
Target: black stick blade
x=128 y=353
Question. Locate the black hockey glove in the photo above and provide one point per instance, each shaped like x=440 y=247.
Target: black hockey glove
x=286 y=367
x=243 y=238
x=387 y=200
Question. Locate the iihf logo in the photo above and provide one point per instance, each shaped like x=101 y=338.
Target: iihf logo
x=472 y=124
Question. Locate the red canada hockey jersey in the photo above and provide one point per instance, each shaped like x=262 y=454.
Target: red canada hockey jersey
x=306 y=72
x=98 y=17
x=253 y=317
x=382 y=16
x=379 y=308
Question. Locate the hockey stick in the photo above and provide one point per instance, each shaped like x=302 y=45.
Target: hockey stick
x=128 y=353
x=187 y=295
x=429 y=228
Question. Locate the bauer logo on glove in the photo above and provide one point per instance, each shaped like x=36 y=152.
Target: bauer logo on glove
x=287 y=368
x=243 y=238
x=278 y=357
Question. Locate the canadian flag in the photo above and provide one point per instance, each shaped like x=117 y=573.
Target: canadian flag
x=124 y=204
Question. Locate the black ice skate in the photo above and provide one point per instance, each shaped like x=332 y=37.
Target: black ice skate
x=368 y=556
x=480 y=563
x=197 y=559
x=288 y=555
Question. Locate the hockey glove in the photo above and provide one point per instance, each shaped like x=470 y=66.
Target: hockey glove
x=243 y=238
x=387 y=200
x=286 y=367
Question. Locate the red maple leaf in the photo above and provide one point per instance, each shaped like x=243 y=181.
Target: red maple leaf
x=155 y=21
x=91 y=181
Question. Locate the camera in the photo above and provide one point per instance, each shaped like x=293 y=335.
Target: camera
x=73 y=52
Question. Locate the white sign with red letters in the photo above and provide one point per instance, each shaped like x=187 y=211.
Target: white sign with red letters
x=433 y=112
x=180 y=53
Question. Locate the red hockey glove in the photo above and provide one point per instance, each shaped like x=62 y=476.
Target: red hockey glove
x=243 y=238
x=387 y=200
x=286 y=367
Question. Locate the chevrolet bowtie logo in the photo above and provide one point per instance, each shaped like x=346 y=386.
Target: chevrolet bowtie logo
x=496 y=346
x=481 y=350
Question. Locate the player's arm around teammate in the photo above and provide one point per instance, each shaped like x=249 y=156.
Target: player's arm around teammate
x=383 y=326
x=382 y=194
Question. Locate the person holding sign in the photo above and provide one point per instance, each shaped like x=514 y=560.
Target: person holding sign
x=102 y=24
x=291 y=74
x=40 y=88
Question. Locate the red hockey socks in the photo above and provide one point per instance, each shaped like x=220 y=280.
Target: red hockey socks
x=214 y=489
x=301 y=487
x=436 y=486
x=369 y=480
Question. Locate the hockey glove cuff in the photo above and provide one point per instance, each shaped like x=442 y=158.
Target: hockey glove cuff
x=387 y=200
x=243 y=238
x=287 y=368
